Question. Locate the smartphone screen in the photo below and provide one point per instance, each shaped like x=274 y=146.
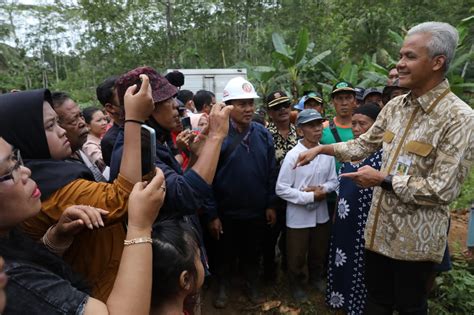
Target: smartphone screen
x=186 y=121
x=148 y=138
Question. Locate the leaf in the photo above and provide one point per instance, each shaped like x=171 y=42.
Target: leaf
x=374 y=76
x=378 y=68
x=301 y=46
x=397 y=38
x=467 y=20
x=287 y=62
x=279 y=44
x=329 y=76
x=263 y=69
x=460 y=60
x=345 y=71
x=353 y=74
x=315 y=60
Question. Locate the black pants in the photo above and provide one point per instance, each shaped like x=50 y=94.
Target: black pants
x=396 y=285
x=241 y=240
x=270 y=240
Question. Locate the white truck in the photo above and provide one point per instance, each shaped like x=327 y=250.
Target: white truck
x=213 y=80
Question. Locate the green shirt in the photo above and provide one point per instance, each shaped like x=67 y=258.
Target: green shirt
x=344 y=133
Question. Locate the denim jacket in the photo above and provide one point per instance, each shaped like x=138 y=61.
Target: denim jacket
x=33 y=290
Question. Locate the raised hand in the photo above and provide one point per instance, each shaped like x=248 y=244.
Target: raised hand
x=184 y=139
x=140 y=105
x=219 y=120
x=145 y=202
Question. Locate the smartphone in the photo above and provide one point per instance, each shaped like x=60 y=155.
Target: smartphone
x=186 y=122
x=148 y=137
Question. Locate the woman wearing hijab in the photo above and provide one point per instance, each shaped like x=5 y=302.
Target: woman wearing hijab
x=40 y=282
x=30 y=124
x=199 y=122
x=346 y=288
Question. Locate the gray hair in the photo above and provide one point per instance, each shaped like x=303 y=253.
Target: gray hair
x=444 y=39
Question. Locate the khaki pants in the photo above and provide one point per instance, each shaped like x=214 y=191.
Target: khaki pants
x=307 y=245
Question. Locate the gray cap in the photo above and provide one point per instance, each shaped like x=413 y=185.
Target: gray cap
x=371 y=91
x=307 y=115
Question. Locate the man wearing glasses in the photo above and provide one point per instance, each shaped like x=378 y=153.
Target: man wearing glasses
x=71 y=120
x=284 y=138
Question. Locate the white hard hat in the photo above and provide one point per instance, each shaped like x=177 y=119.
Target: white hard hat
x=238 y=88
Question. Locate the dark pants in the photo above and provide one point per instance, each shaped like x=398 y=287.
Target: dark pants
x=307 y=245
x=396 y=285
x=241 y=240
x=270 y=240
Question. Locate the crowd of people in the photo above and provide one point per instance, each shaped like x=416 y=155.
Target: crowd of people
x=135 y=206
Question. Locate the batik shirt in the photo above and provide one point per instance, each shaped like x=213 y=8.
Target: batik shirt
x=282 y=145
x=428 y=145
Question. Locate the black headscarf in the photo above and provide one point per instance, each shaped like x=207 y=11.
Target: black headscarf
x=21 y=115
x=371 y=110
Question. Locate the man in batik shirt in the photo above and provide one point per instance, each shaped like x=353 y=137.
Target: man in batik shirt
x=427 y=138
x=284 y=138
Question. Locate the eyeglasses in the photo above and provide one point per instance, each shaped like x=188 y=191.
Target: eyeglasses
x=18 y=163
x=280 y=106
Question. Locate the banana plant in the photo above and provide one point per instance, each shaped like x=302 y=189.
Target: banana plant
x=292 y=64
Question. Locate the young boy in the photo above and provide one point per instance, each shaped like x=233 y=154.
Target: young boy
x=307 y=220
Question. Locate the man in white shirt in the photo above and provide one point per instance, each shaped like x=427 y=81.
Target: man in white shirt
x=307 y=218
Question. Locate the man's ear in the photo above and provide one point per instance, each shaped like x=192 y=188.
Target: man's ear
x=439 y=62
x=185 y=280
x=299 y=132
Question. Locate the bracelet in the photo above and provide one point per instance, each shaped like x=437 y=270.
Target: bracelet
x=134 y=121
x=139 y=240
x=58 y=250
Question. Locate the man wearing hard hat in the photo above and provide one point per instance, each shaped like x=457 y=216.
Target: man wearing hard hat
x=244 y=189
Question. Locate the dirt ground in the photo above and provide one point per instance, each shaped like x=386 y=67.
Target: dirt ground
x=278 y=297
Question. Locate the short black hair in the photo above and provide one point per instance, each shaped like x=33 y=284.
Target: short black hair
x=202 y=98
x=176 y=78
x=185 y=96
x=89 y=112
x=105 y=90
x=59 y=98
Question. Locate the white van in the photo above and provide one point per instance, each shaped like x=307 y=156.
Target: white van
x=213 y=80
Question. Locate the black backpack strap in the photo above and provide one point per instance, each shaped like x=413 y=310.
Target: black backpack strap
x=333 y=128
x=238 y=137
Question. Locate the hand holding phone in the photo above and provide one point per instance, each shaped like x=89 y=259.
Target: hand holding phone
x=186 y=122
x=148 y=149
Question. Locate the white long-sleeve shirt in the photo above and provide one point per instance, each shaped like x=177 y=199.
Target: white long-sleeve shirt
x=302 y=211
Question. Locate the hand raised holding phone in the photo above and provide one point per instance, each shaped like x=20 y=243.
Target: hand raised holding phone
x=139 y=105
x=218 y=121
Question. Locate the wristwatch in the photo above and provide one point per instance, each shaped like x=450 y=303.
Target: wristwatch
x=387 y=183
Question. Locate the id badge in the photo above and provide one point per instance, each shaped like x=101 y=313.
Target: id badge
x=403 y=165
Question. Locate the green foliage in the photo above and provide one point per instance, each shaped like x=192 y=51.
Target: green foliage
x=453 y=292
x=466 y=197
x=303 y=44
